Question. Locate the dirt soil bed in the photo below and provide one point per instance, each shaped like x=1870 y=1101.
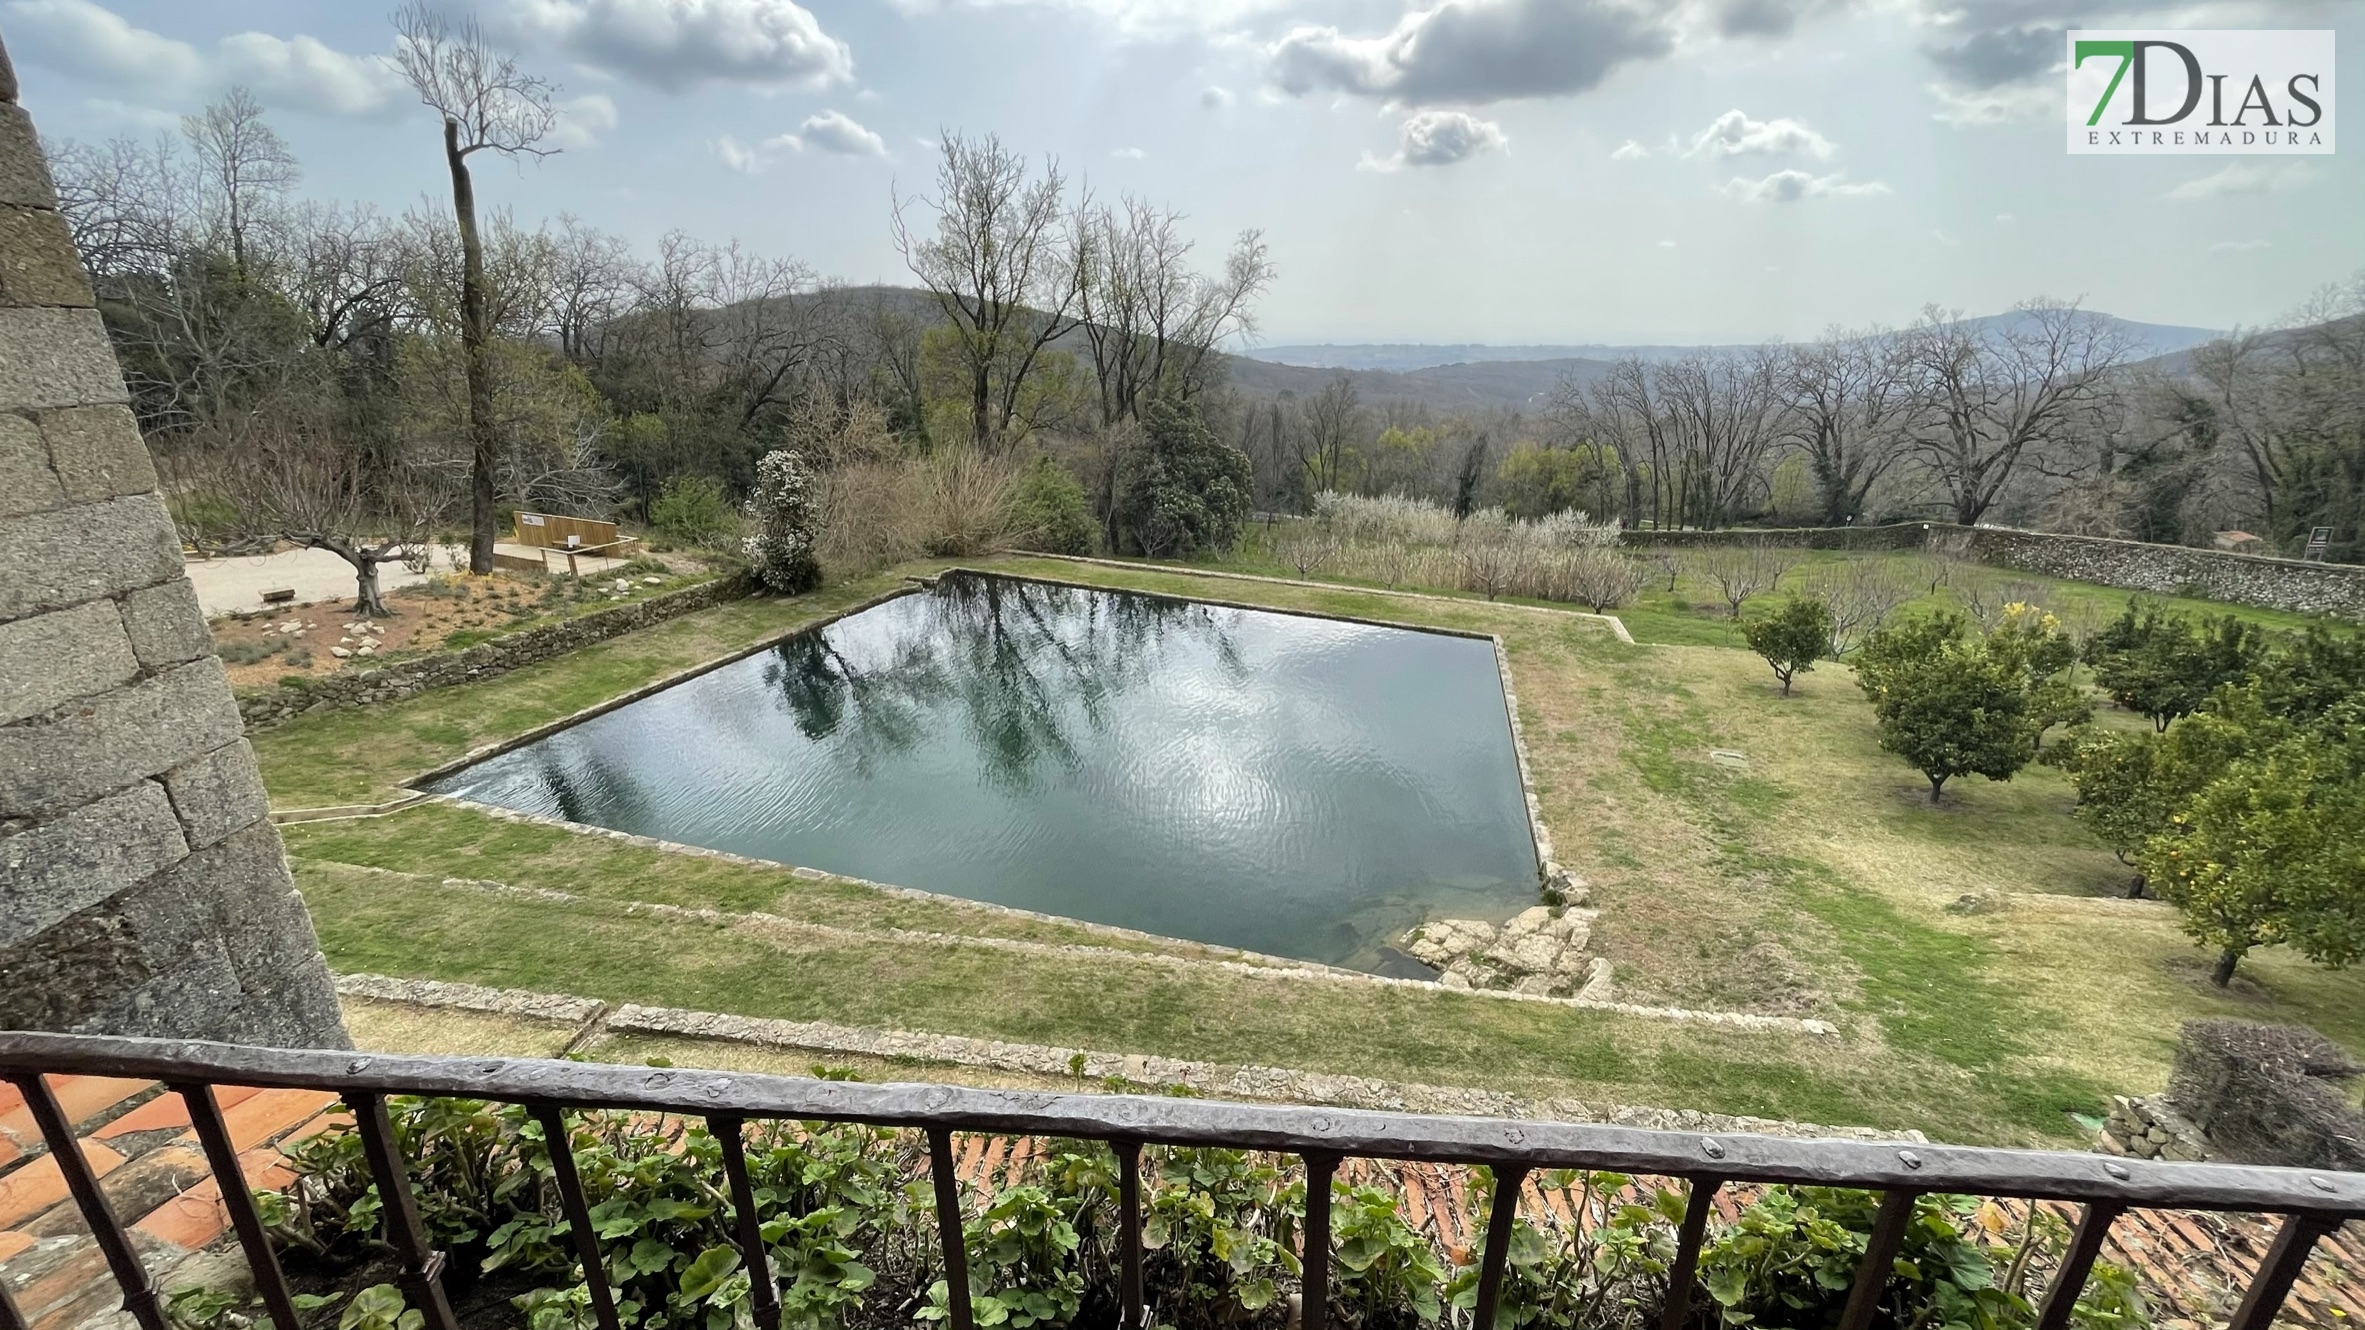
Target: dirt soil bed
x=444 y=613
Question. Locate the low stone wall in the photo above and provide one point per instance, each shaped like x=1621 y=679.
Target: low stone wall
x=2269 y=1094
x=2130 y=565
x=2239 y=579
x=401 y=679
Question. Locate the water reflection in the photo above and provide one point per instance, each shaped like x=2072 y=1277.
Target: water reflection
x=1285 y=784
x=1020 y=665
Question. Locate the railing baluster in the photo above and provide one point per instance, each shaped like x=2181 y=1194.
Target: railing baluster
x=2294 y=1242
x=1130 y=1313
x=2076 y=1263
x=422 y=1266
x=561 y=1145
x=1880 y=1256
x=1685 y=1271
x=205 y=1114
x=1501 y=1218
x=948 y=1227
x=139 y=1291
x=1314 y=1279
x=729 y=1131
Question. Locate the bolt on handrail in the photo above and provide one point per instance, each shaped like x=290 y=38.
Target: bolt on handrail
x=2312 y=1203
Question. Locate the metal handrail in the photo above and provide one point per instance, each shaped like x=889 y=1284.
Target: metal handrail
x=2313 y=1203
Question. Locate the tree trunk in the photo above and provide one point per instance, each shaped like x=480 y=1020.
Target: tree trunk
x=367 y=599
x=1937 y=783
x=2223 y=974
x=2135 y=888
x=475 y=343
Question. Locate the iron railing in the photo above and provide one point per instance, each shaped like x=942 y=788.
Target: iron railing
x=2311 y=1204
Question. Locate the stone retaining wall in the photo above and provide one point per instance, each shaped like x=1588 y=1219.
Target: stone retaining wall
x=2130 y=565
x=2178 y=570
x=393 y=682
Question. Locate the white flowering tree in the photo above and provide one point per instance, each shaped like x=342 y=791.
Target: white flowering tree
x=785 y=510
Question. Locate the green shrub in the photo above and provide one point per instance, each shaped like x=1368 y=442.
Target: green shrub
x=691 y=510
x=1049 y=510
x=851 y=1237
x=248 y=653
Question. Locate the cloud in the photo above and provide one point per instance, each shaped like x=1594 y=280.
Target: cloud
x=835 y=131
x=2240 y=246
x=581 y=120
x=300 y=73
x=830 y=131
x=1129 y=154
x=1441 y=138
x=1997 y=56
x=1474 y=51
x=1629 y=151
x=1666 y=244
x=1734 y=134
x=1132 y=18
x=2246 y=177
x=678 y=44
x=2025 y=103
x=1793 y=186
x=1215 y=98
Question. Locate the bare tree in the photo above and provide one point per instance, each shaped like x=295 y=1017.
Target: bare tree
x=1331 y=424
x=1154 y=324
x=1743 y=571
x=286 y=478
x=346 y=269
x=1860 y=595
x=1003 y=268
x=1850 y=411
x=1599 y=579
x=592 y=278
x=486 y=102
x=1993 y=394
x=246 y=167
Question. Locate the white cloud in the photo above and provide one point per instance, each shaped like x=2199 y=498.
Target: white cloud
x=2246 y=177
x=581 y=120
x=1215 y=98
x=2007 y=105
x=302 y=73
x=1440 y=138
x=830 y=131
x=1474 y=51
x=677 y=44
x=2240 y=246
x=835 y=131
x=1629 y=151
x=1792 y=186
x=1132 y=18
x=2005 y=218
x=1734 y=134
x=1666 y=244
x=1129 y=154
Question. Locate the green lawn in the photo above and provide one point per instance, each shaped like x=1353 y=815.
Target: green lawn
x=1986 y=978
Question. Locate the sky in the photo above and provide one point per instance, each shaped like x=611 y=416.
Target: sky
x=1504 y=171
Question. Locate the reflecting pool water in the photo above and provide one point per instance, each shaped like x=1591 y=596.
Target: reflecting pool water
x=1287 y=784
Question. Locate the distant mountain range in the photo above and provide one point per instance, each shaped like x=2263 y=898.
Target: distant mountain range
x=1455 y=377
x=1475 y=375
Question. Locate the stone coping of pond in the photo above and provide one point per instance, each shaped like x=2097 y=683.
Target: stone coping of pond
x=1204 y=957
x=1246 y=1081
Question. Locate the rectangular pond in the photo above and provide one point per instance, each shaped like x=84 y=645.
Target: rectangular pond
x=1281 y=783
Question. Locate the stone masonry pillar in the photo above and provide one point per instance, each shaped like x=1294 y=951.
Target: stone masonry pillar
x=142 y=885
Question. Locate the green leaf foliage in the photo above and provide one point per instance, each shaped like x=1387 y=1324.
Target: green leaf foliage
x=1792 y=638
x=1187 y=490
